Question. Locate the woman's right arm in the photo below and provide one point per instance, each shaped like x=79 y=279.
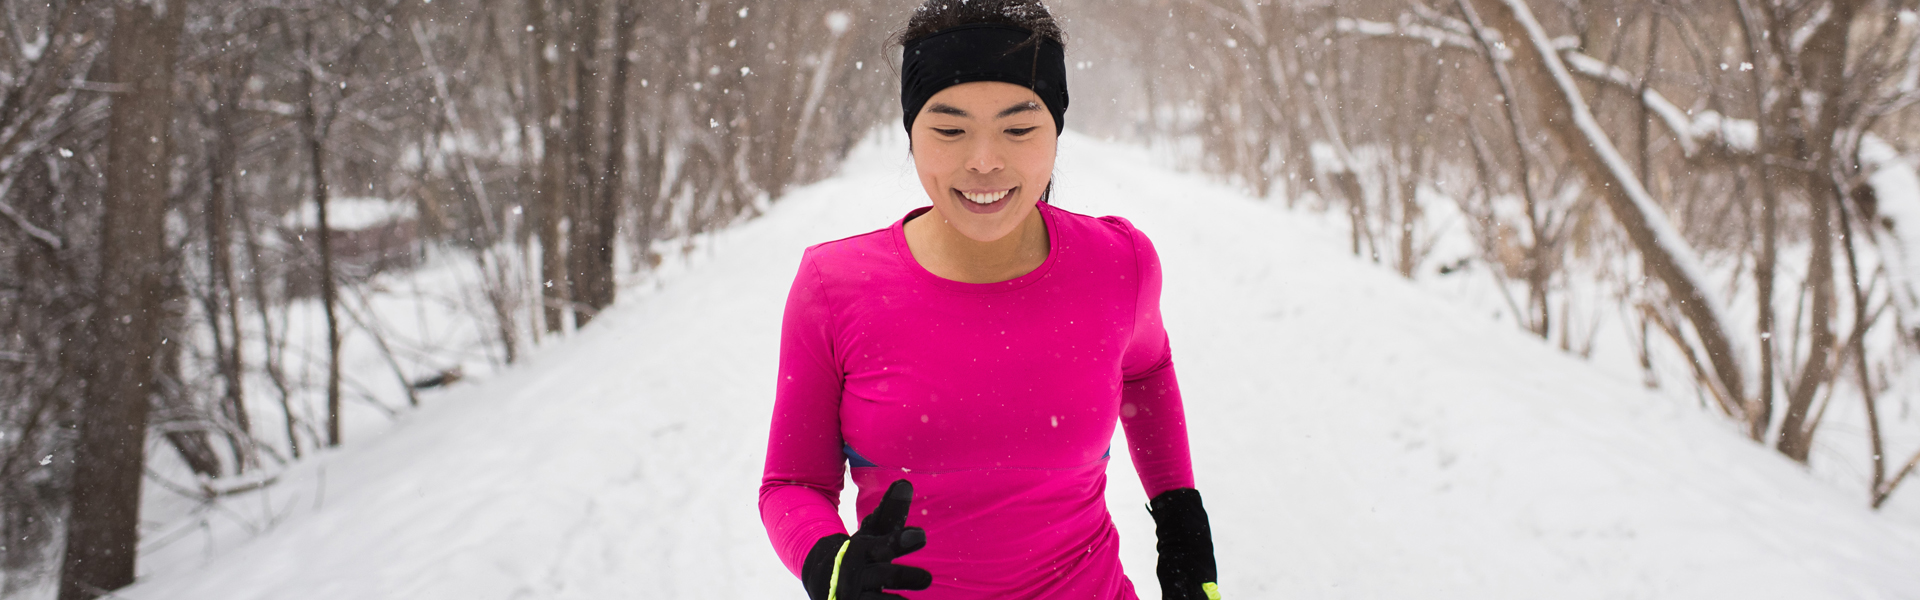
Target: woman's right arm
x=800 y=488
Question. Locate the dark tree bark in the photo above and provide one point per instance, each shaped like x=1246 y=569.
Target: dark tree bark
x=1822 y=66
x=1760 y=415
x=549 y=194
x=583 y=269
x=1413 y=153
x=103 y=525
x=222 y=296
x=314 y=127
x=605 y=210
x=1796 y=434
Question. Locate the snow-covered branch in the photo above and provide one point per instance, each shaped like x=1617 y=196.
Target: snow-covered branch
x=1806 y=30
x=272 y=107
x=1409 y=30
x=1707 y=129
x=1692 y=131
x=1668 y=255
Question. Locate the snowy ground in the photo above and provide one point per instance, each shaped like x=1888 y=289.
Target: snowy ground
x=1357 y=436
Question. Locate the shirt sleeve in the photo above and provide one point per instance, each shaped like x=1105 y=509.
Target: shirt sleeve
x=1150 y=407
x=800 y=487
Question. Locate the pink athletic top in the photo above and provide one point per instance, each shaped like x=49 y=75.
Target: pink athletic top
x=997 y=401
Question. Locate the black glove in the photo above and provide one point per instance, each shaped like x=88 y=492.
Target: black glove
x=1186 y=546
x=857 y=568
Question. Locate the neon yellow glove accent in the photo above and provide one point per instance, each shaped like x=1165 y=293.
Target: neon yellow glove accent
x=1213 y=591
x=833 y=585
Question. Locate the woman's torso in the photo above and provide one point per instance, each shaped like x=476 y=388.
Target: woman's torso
x=998 y=401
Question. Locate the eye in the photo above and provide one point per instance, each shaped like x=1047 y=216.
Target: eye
x=949 y=132
x=1019 y=131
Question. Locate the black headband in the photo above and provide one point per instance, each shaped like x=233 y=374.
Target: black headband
x=983 y=52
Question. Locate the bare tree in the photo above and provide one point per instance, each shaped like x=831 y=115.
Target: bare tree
x=103 y=525
x=548 y=197
x=325 y=71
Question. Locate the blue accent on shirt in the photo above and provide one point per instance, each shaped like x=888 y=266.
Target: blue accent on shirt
x=854 y=459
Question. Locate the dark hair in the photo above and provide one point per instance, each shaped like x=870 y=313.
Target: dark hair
x=934 y=16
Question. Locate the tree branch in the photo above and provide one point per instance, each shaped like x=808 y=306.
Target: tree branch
x=1414 y=32
x=1880 y=497
x=1700 y=372
x=1704 y=130
x=1708 y=129
x=47 y=238
x=1668 y=256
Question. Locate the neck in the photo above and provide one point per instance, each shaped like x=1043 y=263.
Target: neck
x=949 y=254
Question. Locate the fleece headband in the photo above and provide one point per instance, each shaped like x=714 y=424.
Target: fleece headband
x=983 y=52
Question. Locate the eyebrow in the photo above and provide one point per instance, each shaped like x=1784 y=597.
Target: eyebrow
x=948 y=109
x=1017 y=109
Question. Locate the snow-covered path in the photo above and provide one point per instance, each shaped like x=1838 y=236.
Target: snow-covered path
x=1356 y=437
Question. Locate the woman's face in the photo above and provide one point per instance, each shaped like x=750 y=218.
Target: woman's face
x=984 y=151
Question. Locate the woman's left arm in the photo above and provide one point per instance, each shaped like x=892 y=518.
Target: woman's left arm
x=1150 y=407
x=1155 y=421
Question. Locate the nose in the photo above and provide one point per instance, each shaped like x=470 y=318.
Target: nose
x=985 y=156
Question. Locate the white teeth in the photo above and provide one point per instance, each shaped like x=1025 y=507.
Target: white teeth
x=987 y=198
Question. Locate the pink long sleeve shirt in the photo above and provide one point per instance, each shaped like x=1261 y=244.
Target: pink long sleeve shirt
x=997 y=400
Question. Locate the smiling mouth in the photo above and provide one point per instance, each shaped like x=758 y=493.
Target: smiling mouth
x=985 y=198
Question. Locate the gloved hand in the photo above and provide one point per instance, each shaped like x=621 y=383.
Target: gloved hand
x=1186 y=546
x=858 y=568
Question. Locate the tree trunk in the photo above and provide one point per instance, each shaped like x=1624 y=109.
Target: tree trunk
x=652 y=170
x=549 y=199
x=1760 y=416
x=1760 y=411
x=315 y=130
x=584 y=227
x=103 y=526
x=270 y=353
x=222 y=299
x=1795 y=435
x=605 y=211
x=1823 y=68
x=1418 y=136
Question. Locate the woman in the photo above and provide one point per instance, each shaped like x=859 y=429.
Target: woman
x=970 y=361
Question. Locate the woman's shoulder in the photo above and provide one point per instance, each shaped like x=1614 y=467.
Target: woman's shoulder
x=1108 y=233
x=853 y=245
x=860 y=253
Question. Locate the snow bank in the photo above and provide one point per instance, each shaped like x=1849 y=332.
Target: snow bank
x=346 y=214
